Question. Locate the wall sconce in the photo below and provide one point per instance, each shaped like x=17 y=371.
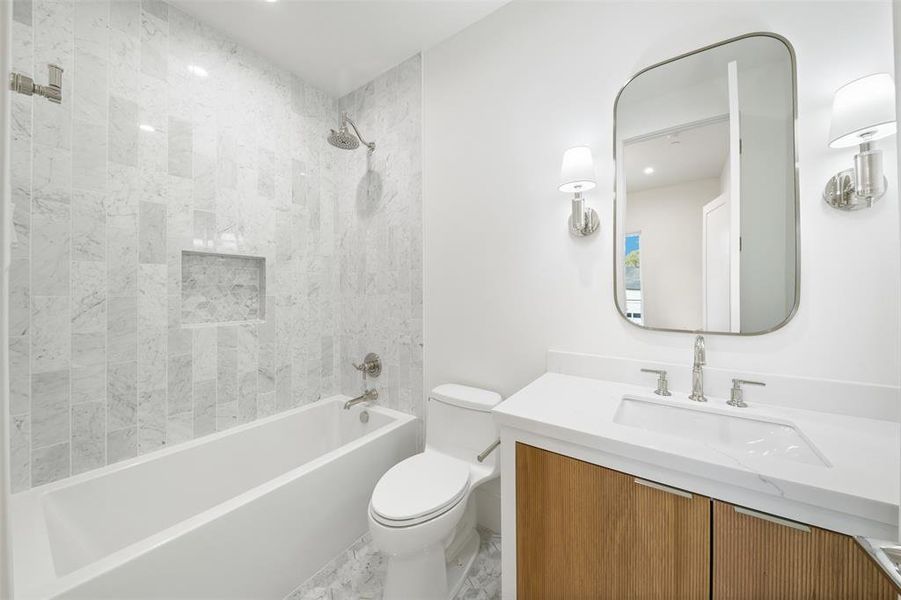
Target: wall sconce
x=863 y=111
x=577 y=176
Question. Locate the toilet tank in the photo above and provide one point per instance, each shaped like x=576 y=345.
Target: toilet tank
x=459 y=421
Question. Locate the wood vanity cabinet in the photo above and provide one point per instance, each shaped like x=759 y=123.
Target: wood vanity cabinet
x=583 y=531
x=760 y=557
x=588 y=532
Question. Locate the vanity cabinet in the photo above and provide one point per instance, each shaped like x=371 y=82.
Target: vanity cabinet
x=588 y=532
x=584 y=531
x=758 y=556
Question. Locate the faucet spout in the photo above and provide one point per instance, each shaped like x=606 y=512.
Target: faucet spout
x=367 y=396
x=697 y=373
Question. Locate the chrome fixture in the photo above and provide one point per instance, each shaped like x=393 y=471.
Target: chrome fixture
x=736 y=395
x=370 y=395
x=372 y=366
x=346 y=140
x=576 y=177
x=364 y=416
x=53 y=91
x=863 y=111
x=484 y=453
x=662 y=383
x=697 y=375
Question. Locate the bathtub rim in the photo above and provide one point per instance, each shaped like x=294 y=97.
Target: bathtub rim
x=40 y=580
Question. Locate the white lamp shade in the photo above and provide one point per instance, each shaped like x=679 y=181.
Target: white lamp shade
x=577 y=170
x=862 y=111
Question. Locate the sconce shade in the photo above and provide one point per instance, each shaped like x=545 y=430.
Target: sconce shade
x=863 y=111
x=577 y=170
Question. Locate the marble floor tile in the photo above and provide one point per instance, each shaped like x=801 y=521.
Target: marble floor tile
x=359 y=573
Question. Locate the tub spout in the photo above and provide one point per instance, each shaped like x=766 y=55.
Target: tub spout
x=367 y=396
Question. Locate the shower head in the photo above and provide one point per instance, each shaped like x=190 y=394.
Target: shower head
x=344 y=139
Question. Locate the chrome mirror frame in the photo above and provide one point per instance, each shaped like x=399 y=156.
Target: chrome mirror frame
x=797 y=203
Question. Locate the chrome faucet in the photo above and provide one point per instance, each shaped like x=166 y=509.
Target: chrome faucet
x=697 y=375
x=370 y=395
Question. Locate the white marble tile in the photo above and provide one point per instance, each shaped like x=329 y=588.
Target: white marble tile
x=122 y=329
x=19 y=375
x=49 y=463
x=152 y=233
x=20 y=453
x=88 y=296
x=359 y=572
x=88 y=225
x=122 y=395
x=50 y=248
x=89 y=155
x=49 y=408
x=205 y=353
x=88 y=436
x=204 y=407
x=180 y=148
x=238 y=164
x=50 y=349
x=154 y=41
x=180 y=380
x=19 y=297
x=121 y=444
x=151 y=420
x=123 y=131
x=180 y=428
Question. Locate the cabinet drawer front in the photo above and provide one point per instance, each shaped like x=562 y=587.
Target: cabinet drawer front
x=760 y=557
x=583 y=531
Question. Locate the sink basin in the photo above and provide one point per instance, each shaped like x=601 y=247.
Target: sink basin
x=740 y=435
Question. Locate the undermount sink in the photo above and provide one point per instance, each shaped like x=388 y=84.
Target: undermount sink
x=738 y=434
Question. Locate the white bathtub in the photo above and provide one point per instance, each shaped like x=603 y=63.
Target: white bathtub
x=247 y=513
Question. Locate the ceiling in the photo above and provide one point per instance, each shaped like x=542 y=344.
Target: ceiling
x=339 y=45
x=700 y=153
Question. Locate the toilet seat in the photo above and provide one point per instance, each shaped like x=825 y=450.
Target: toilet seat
x=418 y=489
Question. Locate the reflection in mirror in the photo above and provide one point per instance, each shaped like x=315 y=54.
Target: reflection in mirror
x=706 y=201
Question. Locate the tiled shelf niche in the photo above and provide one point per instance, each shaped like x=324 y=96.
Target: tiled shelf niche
x=218 y=289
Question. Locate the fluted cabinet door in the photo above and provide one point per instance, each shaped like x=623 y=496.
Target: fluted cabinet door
x=587 y=532
x=757 y=557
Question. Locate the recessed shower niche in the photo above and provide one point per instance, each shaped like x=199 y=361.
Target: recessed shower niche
x=221 y=288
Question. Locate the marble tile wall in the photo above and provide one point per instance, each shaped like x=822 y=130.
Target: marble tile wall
x=146 y=158
x=379 y=247
x=222 y=288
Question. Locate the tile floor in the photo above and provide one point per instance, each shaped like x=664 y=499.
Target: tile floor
x=358 y=573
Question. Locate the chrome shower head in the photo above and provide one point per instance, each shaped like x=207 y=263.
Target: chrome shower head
x=344 y=139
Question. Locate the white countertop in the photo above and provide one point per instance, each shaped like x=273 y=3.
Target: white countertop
x=857 y=494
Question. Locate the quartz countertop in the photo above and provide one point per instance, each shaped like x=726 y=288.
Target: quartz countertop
x=858 y=492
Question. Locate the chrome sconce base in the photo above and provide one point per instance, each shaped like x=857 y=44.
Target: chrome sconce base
x=860 y=187
x=584 y=220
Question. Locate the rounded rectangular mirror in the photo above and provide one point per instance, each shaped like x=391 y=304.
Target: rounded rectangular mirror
x=706 y=198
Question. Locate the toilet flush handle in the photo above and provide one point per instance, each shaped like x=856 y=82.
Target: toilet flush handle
x=484 y=454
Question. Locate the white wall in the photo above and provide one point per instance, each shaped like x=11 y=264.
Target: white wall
x=669 y=219
x=504 y=281
x=896 y=14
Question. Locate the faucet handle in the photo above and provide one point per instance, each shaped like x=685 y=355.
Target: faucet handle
x=736 y=394
x=372 y=365
x=662 y=383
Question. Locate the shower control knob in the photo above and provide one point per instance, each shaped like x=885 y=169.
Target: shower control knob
x=371 y=366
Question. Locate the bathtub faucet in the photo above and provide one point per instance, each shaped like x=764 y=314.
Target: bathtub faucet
x=367 y=396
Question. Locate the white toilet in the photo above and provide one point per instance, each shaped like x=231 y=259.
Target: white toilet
x=421 y=514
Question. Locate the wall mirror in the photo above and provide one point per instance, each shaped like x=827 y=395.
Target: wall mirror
x=706 y=198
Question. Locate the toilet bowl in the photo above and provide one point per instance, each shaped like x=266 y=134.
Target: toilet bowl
x=421 y=514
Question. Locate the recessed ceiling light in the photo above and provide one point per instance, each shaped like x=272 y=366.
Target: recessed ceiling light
x=271 y=1
x=146 y=127
x=198 y=70
x=648 y=170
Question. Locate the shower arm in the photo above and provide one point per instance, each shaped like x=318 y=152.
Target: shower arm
x=370 y=145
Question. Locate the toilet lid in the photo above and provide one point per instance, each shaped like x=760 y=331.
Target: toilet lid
x=420 y=486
